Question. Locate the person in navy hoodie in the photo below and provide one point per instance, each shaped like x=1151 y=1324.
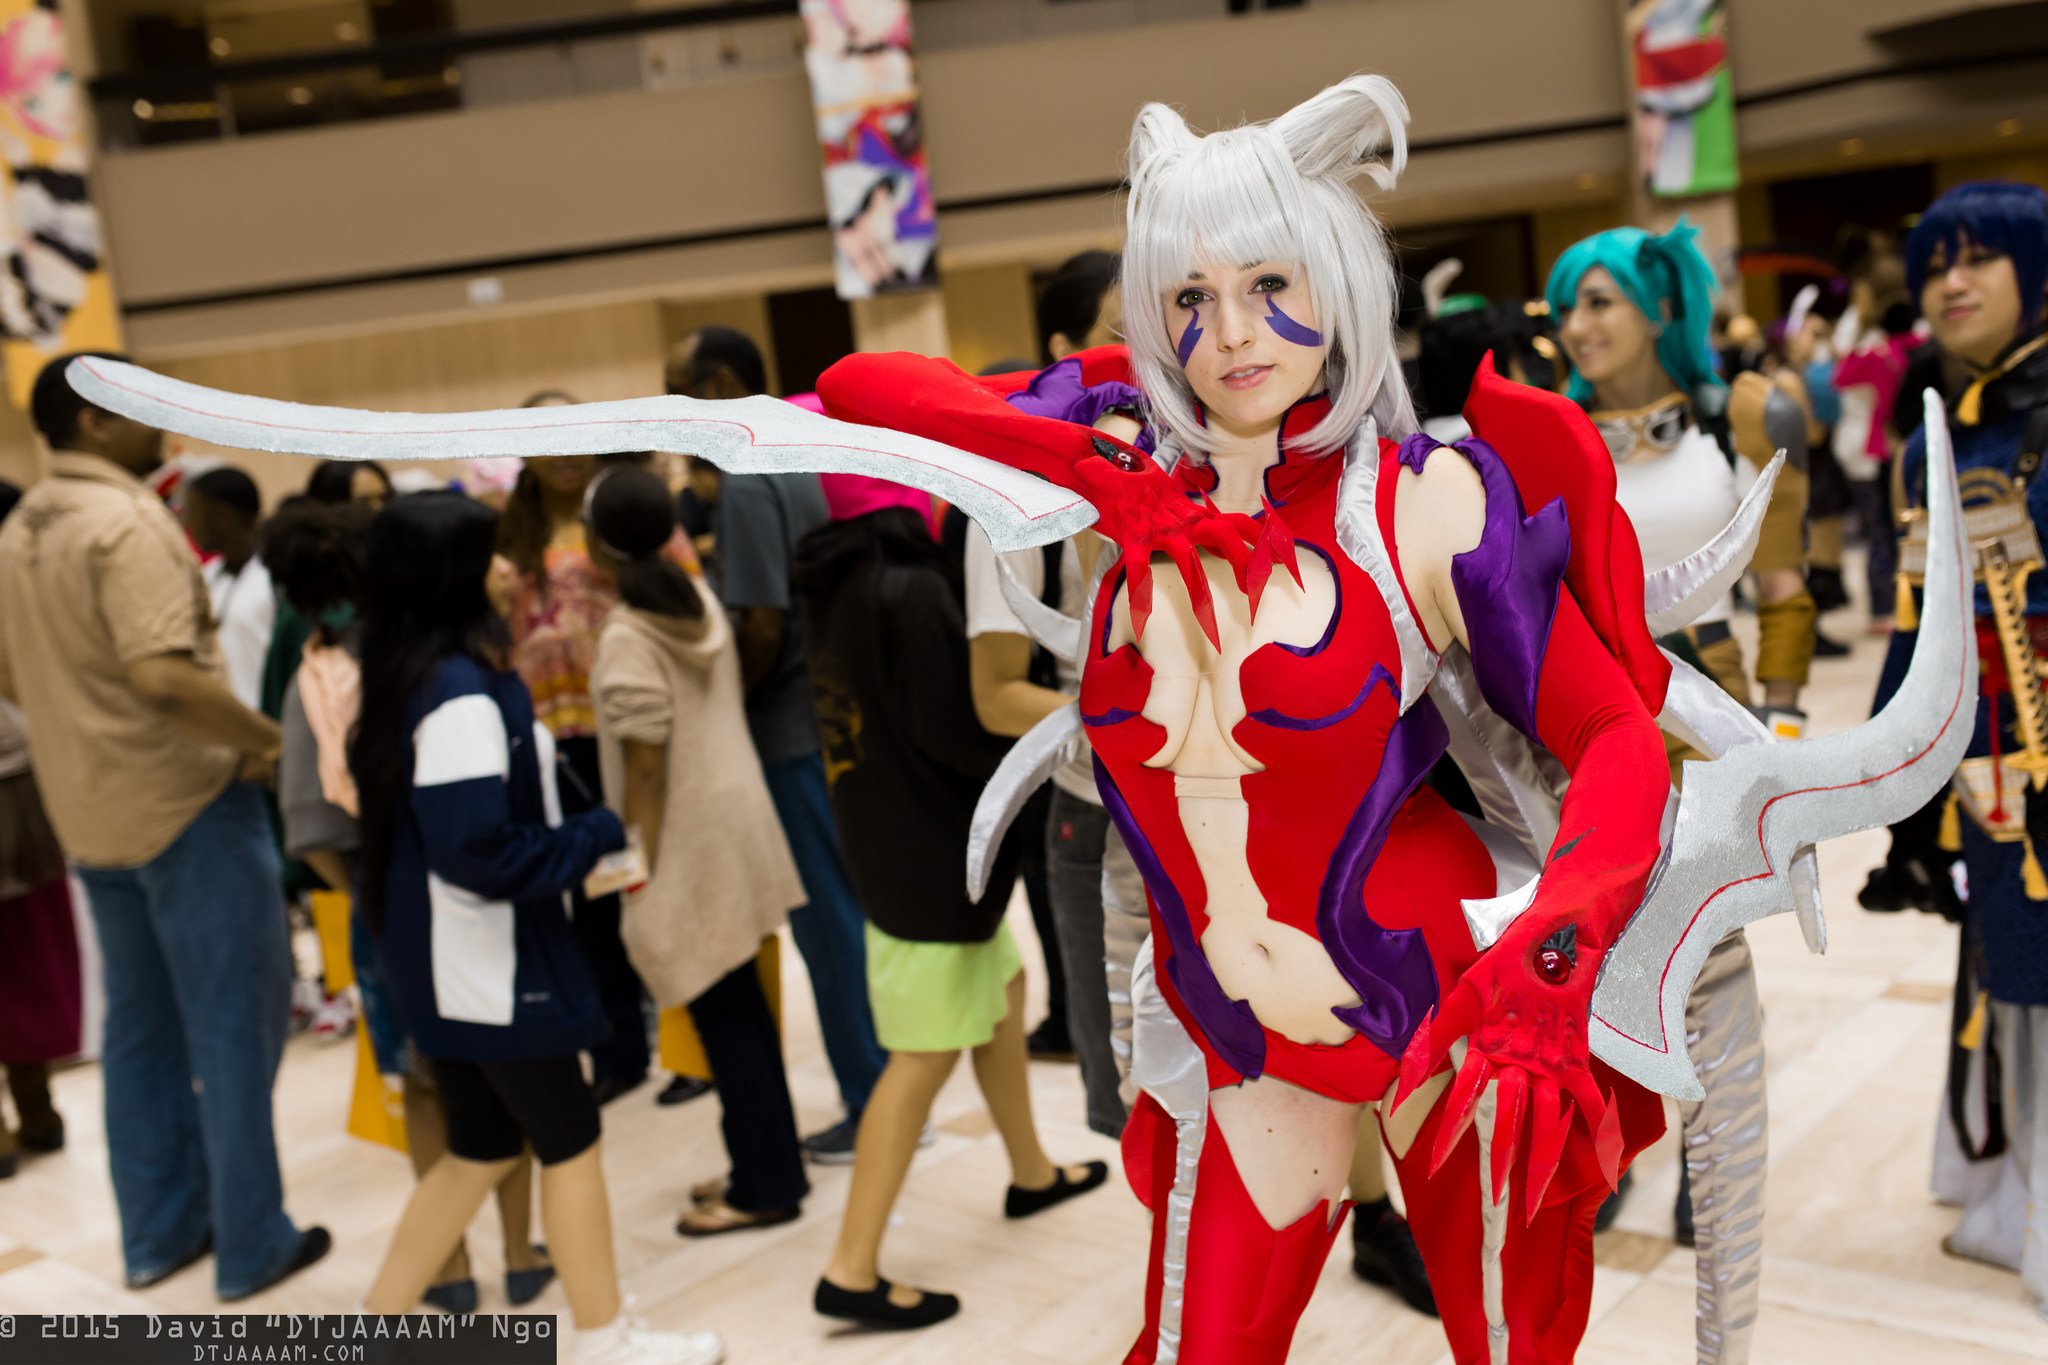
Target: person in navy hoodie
x=467 y=866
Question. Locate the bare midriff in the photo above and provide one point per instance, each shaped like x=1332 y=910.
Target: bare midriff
x=1281 y=972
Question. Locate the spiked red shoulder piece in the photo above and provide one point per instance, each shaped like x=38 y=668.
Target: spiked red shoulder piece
x=1554 y=452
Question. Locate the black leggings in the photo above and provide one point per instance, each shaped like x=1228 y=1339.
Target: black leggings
x=759 y=1124
x=495 y=1110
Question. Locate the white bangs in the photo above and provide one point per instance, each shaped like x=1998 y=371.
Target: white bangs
x=1237 y=197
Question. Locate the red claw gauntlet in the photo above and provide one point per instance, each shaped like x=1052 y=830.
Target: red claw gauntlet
x=1138 y=504
x=1523 y=1007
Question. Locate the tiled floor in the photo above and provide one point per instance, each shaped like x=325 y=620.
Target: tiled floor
x=1854 y=1270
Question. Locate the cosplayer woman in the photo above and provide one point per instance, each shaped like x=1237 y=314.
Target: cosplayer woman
x=1251 y=708
x=1977 y=265
x=1633 y=310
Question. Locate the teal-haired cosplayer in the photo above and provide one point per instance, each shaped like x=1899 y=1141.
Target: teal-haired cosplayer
x=1669 y=487
x=1667 y=277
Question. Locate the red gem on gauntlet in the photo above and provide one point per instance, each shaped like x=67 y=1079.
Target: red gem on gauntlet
x=1128 y=461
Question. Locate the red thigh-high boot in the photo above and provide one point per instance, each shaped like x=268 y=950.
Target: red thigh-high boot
x=1545 y=1267
x=1445 y=1216
x=1149 y=1149
x=1246 y=1284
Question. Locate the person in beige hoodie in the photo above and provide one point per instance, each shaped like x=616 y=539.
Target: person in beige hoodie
x=681 y=772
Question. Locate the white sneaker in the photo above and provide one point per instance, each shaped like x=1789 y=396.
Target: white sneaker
x=626 y=1341
x=306 y=1001
x=335 y=1020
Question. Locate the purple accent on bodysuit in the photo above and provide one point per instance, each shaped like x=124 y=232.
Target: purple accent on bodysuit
x=1416 y=449
x=1058 y=392
x=1115 y=715
x=1508 y=586
x=1190 y=337
x=1390 y=969
x=1269 y=716
x=1229 y=1025
x=1286 y=328
x=1336 y=608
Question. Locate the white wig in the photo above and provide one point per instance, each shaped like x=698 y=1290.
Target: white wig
x=1277 y=191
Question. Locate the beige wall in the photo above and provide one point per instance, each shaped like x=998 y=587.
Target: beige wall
x=1557 y=229
x=21 y=452
x=989 y=316
x=2021 y=163
x=329 y=205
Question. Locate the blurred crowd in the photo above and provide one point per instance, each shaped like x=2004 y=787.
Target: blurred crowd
x=606 y=725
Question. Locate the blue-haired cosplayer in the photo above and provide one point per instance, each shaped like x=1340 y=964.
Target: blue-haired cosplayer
x=1978 y=267
x=1633 y=305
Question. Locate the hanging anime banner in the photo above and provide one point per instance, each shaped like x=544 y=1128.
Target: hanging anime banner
x=877 y=190
x=54 y=292
x=1684 y=110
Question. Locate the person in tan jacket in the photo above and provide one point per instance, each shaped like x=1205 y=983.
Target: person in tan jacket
x=147 y=766
x=680 y=770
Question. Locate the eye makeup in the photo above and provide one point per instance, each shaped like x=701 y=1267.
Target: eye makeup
x=1286 y=328
x=1190 y=337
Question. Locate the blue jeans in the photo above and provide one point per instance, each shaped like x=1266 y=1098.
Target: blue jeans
x=830 y=931
x=198 y=982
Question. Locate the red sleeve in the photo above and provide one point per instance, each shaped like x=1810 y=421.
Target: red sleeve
x=939 y=400
x=1591 y=717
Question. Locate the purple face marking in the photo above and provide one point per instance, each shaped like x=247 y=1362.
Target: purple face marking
x=1189 y=337
x=1286 y=328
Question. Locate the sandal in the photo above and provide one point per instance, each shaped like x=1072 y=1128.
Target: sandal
x=715 y=1218
x=1022 y=1203
x=874 y=1308
x=709 y=1191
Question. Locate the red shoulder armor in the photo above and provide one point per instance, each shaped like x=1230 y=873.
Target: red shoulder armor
x=1553 y=450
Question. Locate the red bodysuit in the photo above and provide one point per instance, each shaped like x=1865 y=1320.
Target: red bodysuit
x=1332 y=790
x=1346 y=844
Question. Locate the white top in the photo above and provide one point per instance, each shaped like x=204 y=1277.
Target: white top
x=1859 y=414
x=245 y=609
x=1450 y=427
x=988 y=612
x=1680 y=500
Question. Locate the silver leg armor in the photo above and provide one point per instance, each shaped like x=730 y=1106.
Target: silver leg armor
x=1726 y=1149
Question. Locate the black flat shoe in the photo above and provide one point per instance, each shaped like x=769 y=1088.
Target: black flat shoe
x=682 y=1090
x=314 y=1243
x=1383 y=1252
x=43 y=1137
x=1022 y=1203
x=524 y=1286
x=872 y=1308
x=199 y=1253
x=1050 y=1042
x=454 y=1298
